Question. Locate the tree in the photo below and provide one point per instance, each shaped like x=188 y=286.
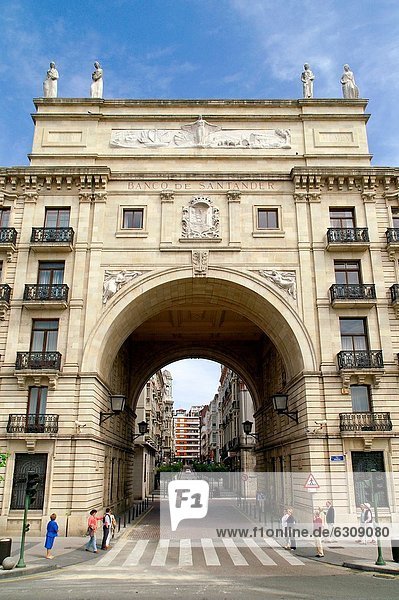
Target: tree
x=3 y=460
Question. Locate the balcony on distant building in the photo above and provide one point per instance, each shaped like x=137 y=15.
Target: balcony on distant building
x=351 y=295
x=42 y=423
x=8 y=241
x=45 y=295
x=365 y=421
x=45 y=238
x=5 y=295
x=357 y=238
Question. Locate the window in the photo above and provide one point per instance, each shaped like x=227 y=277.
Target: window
x=1 y=270
x=353 y=334
x=133 y=218
x=57 y=217
x=4 y=217
x=50 y=273
x=369 y=478
x=347 y=272
x=395 y=218
x=342 y=218
x=267 y=218
x=36 y=410
x=24 y=463
x=44 y=336
x=360 y=395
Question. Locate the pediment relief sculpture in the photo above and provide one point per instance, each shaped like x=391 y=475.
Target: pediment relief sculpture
x=201 y=134
x=200 y=219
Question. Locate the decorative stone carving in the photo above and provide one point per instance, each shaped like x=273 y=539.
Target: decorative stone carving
x=50 y=83
x=349 y=87
x=200 y=219
x=167 y=196
x=113 y=281
x=307 y=78
x=96 y=88
x=200 y=260
x=285 y=280
x=201 y=134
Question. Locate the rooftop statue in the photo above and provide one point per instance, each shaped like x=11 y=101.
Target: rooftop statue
x=50 y=83
x=96 y=88
x=349 y=87
x=307 y=78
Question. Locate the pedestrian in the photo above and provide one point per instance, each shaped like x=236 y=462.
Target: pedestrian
x=107 y=529
x=290 y=523
x=317 y=527
x=51 y=534
x=330 y=520
x=113 y=524
x=92 y=524
x=284 y=528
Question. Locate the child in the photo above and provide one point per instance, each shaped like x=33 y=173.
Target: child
x=52 y=532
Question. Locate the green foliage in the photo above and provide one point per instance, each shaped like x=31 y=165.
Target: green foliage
x=208 y=468
x=3 y=460
x=175 y=467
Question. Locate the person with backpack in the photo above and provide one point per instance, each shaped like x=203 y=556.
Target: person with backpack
x=107 y=529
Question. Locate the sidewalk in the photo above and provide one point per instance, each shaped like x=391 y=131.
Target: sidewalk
x=67 y=551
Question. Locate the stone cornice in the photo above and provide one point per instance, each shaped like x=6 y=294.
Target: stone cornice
x=30 y=180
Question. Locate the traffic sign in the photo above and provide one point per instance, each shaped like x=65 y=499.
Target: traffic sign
x=337 y=458
x=311 y=483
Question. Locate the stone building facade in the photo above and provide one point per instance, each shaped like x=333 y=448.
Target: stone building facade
x=257 y=235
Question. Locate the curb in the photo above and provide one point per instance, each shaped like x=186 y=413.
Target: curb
x=372 y=568
x=23 y=572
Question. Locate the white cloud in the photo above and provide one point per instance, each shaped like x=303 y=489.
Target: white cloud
x=195 y=382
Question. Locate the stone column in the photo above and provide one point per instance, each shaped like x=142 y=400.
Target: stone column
x=167 y=201
x=234 y=201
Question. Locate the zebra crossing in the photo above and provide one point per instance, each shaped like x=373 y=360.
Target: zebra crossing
x=201 y=552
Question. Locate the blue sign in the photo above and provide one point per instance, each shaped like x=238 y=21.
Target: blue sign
x=337 y=458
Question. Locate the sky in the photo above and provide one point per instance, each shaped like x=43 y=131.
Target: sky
x=199 y=49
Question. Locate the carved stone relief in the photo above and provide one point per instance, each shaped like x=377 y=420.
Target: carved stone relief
x=200 y=260
x=285 y=280
x=201 y=134
x=200 y=219
x=113 y=281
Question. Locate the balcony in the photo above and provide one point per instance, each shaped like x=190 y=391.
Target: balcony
x=341 y=239
x=44 y=239
x=360 y=359
x=8 y=240
x=47 y=361
x=365 y=421
x=18 y=423
x=392 y=235
x=46 y=296
x=353 y=295
x=5 y=294
x=394 y=289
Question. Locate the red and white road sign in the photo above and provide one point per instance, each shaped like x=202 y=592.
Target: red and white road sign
x=311 y=483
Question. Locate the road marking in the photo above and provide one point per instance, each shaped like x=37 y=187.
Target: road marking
x=210 y=555
x=292 y=560
x=134 y=557
x=111 y=554
x=185 y=554
x=258 y=552
x=161 y=553
x=234 y=553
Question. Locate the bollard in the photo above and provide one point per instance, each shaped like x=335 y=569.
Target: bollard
x=119 y=524
x=124 y=519
x=133 y=515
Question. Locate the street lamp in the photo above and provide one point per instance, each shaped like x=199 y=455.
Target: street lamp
x=247 y=426
x=280 y=405
x=380 y=559
x=117 y=406
x=143 y=428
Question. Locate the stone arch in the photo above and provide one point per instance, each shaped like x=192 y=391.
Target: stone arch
x=245 y=293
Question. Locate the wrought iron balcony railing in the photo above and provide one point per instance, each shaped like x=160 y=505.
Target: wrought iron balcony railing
x=394 y=289
x=38 y=360
x=5 y=293
x=45 y=292
x=347 y=235
x=392 y=235
x=51 y=235
x=360 y=359
x=8 y=235
x=18 y=423
x=365 y=421
x=352 y=291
